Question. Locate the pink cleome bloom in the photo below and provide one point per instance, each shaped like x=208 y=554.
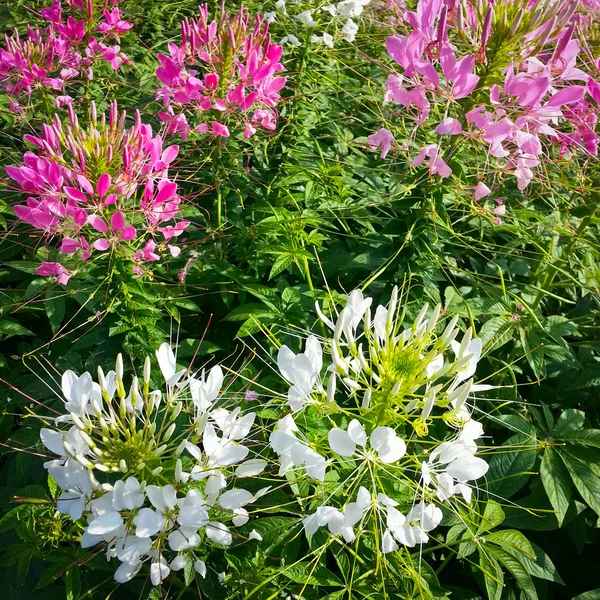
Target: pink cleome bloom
x=62 y=51
x=101 y=187
x=224 y=72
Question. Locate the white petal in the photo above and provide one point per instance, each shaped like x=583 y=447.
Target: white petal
x=126 y=572
x=388 y=445
x=467 y=468
x=353 y=514
x=219 y=533
x=387 y=543
x=200 y=568
x=315 y=465
x=53 y=440
x=147 y=523
x=363 y=498
x=133 y=496
x=159 y=571
x=251 y=467
x=192 y=517
x=357 y=433
x=340 y=442
x=178 y=563
x=395 y=518
x=311 y=523
x=235 y=498
x=241 y=517
x=254 y=535
x=183 y=539
x=285 y=360
x=109 y=521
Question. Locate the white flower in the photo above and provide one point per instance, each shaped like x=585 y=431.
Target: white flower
x=292 y=452
x=412 y=529
x=326 y=39
x=204 y=391
x=128 y=494
x=291 y=40
x=106 y=523
x=352 y=8
x=167 y=364
x=467 y=348
x=330 y=8
x=350 y=29
x=200 y=568
x=178 y=563
x=79 y=393
x=301 y=370
x=306 y=18
x=159 y=570
x=280 y=5
x=270 y=17
x=389 y=447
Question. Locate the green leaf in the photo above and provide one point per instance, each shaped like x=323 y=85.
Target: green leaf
x=586 y=482
x=510 y=464
x=55 y=309
x=189 y=572
x=591 y=595
x=582 y=437
x=570 y=420
x=10 y=327
x=493 y=515
x=282 y=262
x=556 y=482
x=516 y=569
x=72 y=583
x=310 y=574
x=493 y=575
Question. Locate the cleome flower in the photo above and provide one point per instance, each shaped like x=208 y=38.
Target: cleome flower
x=223 y=74
x=375 y=391
x=147 y=469
x=100 y=187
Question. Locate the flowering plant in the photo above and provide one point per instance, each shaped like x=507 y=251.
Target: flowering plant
x=102 y=189
x=526 y=92
x=120 y=458
x=53 y=58
x=237 y=82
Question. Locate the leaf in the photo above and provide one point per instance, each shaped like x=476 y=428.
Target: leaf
x=10 y=327
x=570 y=420
x=586 y=482
x=493 y=575
x=516 y=569
x=282 y=262
x=308 y=573
x=591 y=595
x=55 y=309
x=510 y=464
x=493 y=515
x=556 y=482
x=189 y=572
x=72 y=583
x=583 y=437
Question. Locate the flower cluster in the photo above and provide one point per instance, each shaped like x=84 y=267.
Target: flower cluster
x=399 y=429
x=327 y=21
x=148 y=507
x=225 y=71
x=523 y=92
x=99 y=188
x=62 y=52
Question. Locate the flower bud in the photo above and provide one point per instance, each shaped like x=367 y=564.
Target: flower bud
x=176 y=410
x=147 y=366
x=123 y=465
x=331 y=388
x=169 y=432
x=366 y=402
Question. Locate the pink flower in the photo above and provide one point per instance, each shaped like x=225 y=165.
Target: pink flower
x=53 y=268
x=382 y=139
x=121 y=231
x=481 y=191
x=449 y=126
x=219 y=129
x=437 y=166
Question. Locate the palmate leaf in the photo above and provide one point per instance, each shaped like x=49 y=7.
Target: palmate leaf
x=556 y=482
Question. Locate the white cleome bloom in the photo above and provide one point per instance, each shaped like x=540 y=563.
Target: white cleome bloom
x=389 y=447
x=301 y=370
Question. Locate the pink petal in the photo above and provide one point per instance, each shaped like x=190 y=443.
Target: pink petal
x=169 y=155
x=75 y=194
x=449 y=126
x=128 y=233
x=103 y=184
x=481 y=191
x=117 y=221
x=101 y=244
x=166 y=192
x=97 y=223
